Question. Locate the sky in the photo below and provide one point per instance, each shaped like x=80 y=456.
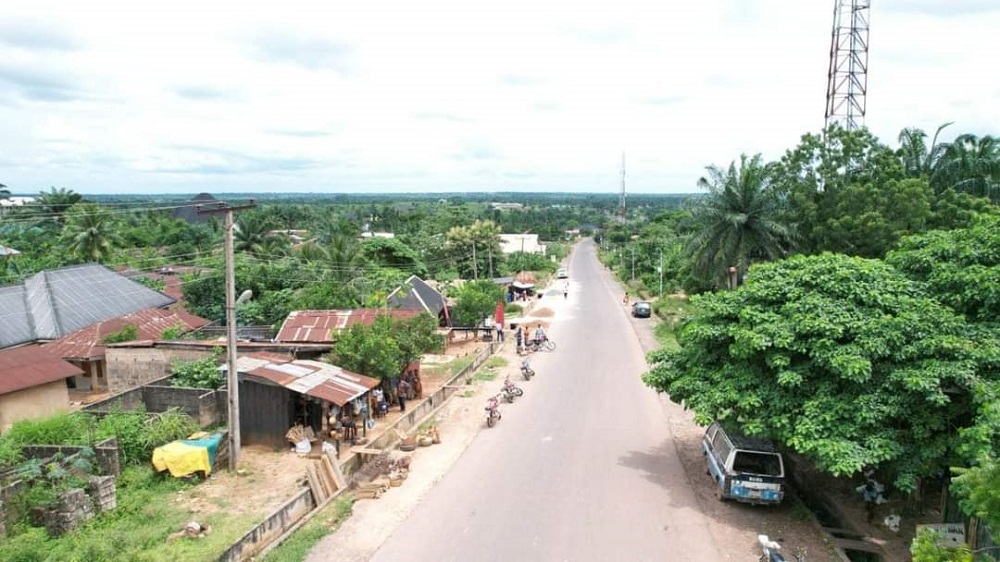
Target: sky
x=450 y=96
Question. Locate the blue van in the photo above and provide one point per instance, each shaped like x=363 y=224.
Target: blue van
x=745 y=469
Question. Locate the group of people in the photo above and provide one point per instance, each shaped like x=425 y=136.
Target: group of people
x=523 y=340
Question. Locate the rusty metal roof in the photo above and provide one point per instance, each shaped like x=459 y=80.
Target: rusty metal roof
x=29 y=366
x=313 y=378
x=88 y=343
x=318 y=326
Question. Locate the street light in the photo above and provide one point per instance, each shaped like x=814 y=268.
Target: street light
x=232 y=375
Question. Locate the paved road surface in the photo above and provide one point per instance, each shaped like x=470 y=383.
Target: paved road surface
x=582 y=468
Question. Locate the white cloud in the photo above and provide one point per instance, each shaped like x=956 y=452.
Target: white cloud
x=540 y=95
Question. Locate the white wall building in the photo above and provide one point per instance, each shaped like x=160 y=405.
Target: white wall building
x=528 y=243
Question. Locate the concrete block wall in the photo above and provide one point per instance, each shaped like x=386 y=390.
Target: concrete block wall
x=162 y=398
x=129 y=367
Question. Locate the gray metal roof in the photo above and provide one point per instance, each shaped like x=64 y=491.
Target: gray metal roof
x=416 y=294
x=51 y=304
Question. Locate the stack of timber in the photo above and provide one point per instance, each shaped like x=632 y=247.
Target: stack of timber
x=325 y=477
x=371 y=490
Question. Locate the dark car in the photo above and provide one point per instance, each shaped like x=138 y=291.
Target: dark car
x=642 y=309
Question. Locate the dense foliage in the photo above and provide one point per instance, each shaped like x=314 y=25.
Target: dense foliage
x=842 y=359
x=383 y=349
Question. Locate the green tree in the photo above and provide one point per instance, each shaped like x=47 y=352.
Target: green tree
x=961 y=267
x=476 y=300
x=812 y=179
x=737 y=222
x=4 y=192
x=90 y=232
x=842 y=359
x=868 y=220
x=971 y=165
x=251 y=233
x=926 y=547
x=384 y=348
x=919 y=159
x=978 y=489
x=55 y=202
x=390 y=252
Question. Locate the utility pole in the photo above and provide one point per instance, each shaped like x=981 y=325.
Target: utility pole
x=232 y=376
x=633 y=263
x=661 y=274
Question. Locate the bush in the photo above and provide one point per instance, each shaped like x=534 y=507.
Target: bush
x=200 y=373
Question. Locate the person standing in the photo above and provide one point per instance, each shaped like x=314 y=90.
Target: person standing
x=499 y=332
x=519 y=339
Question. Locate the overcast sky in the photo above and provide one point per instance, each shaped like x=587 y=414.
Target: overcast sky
x=374 y=95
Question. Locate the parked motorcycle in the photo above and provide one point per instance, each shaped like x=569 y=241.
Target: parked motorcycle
x=510 y=390
x=492 y=411
x=770 y=549
x=543 y=344
x=526 y=371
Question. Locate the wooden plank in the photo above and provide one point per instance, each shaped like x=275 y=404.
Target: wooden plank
x=330 y=473
x=366 y=451
x=338 y=475
x=840 y=531
x=849 y=544
x=314 y=485
x=325 y=478
x=322 y=482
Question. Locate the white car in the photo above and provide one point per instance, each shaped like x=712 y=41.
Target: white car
x=562 y=273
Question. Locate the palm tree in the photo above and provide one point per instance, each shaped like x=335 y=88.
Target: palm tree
x=90 y=232
x=251 y=234
x=920 y=160
x=461 y=237
x=344 y=257
x=736 y=224
x=55 y=202
x=971 y=164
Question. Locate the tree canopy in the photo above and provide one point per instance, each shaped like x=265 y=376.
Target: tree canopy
x=383 y=349
x=843 y=359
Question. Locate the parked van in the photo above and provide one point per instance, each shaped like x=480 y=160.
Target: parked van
x=745 y=469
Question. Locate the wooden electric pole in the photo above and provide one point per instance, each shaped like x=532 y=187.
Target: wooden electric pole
x=232 y=376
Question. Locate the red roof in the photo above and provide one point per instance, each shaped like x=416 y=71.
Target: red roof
x=313 y=378
x=88 y=343
x=30 y=366
x=317 y=326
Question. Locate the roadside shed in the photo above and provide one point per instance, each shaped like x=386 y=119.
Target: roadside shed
x=278 y=392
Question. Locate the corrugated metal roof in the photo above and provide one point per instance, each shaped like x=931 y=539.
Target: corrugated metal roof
x=30 y=366
x=52 y=304
x=318 y=326
x=416 y=294
x=88 y=343
x=312 y=378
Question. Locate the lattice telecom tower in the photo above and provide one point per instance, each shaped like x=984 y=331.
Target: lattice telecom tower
x=847 y=80
x=621 y=198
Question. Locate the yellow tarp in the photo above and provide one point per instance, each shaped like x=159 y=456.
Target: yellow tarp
x=181 y=459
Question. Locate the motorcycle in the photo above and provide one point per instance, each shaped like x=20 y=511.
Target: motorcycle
x=526 y=371
x=771 y=549
x=492 y=411
x=510 y=390
x=542 y=344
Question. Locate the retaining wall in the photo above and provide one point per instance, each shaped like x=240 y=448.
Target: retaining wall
x=275 y=525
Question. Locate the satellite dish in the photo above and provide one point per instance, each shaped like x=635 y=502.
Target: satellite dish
x=244 y=296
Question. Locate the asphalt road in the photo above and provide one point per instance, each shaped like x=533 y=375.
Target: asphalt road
x=581 y=468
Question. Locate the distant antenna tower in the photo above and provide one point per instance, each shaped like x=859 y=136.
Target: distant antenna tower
x=621 y=198
x=847 y=80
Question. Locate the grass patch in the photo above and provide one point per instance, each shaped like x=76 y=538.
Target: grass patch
x=322 y=524
x=460 y=363
x=671 y=311
x=135 y=531
x=485 y=374
x=495 y=362
x=468 y=394
x=427 y=424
